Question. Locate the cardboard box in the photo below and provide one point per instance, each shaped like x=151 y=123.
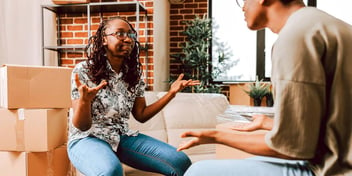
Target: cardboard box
x=52 y=163
x=36 y=130
x=35 y=87
x=70 y=1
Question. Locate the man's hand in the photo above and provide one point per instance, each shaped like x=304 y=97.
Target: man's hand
x=259 y=122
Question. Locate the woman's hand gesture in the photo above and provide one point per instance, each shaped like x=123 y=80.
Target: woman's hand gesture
x=87 y=94
x=180 y=84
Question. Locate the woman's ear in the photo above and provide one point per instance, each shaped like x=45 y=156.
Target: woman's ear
x=105 y=42
x=261 y=2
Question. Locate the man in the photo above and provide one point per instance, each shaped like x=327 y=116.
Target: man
x=312 y=82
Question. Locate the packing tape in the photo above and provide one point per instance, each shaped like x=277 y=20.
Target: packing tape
x=3 y=85
x=20 y=114
x=20 y=130
x=49 y=158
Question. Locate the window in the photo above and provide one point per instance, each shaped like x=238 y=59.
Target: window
x=339 y=8
x=230 y=33
x=249 y=51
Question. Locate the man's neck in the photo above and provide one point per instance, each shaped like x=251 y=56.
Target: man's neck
x=279 y=13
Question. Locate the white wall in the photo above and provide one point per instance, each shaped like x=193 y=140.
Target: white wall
x=20 y=31
x=161 y=44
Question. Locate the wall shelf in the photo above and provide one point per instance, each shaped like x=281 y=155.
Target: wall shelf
x=88 y=9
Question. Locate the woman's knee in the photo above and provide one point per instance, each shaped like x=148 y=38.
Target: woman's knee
x=181 y=163
x=103 y=169
x=111 y=171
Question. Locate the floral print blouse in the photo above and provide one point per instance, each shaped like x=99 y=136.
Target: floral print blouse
x=111 y=108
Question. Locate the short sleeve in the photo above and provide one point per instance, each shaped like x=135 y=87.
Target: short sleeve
x=300 y=95
x=74 y=89
x=83 y=78
x=298 y=114
x=140 y=88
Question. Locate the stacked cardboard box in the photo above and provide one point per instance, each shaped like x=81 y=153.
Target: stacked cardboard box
x=34 y=103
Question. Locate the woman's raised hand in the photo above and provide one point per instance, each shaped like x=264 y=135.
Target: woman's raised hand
x=87 y=94
x=180 y=84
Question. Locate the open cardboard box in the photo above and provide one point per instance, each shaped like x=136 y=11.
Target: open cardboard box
x=35 y=87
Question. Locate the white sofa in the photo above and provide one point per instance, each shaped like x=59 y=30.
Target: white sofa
x=187 y=111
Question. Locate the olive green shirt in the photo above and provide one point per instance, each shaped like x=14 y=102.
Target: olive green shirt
x=312 y=80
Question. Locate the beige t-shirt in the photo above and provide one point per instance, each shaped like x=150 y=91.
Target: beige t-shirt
x=312 y=79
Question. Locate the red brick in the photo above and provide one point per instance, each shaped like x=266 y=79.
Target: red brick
x=80 y=20
x=75 y=41
x=75 y=27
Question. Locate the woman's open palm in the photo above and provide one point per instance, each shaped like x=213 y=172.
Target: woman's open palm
x=88 y=93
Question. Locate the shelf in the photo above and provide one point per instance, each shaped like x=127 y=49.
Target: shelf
x=96 y=7
x=66 y=47
x=88 y=9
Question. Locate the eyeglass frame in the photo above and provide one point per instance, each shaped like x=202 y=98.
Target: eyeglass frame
x=239 y=5
x=117 y=34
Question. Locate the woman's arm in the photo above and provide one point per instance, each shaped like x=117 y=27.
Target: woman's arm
x=143 y=113
x=82 y=107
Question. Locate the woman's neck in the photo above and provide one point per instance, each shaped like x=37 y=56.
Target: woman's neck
x=116 y=63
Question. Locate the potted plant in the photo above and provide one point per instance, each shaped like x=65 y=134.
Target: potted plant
x=269 y=97
x=195 y=60
x=257 y=90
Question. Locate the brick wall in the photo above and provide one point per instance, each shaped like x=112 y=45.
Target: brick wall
x=74 y=31
x=178 y=14
x=74 y=28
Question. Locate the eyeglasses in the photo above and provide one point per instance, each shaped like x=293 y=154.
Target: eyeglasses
x=123 y=35
x=240 y=3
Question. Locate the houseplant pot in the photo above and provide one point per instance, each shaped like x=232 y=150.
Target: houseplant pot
x=257 y=90
x=269 y=99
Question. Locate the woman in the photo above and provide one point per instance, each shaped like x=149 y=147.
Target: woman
x=105 y=90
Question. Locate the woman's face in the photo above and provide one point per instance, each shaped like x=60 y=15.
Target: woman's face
x=118 y=39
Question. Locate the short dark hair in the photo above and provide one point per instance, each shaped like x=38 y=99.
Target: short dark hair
x=287 y=1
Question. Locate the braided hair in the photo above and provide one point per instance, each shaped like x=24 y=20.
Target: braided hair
x=97 y=59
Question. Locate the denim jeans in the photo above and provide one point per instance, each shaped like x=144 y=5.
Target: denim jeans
x=95 y=157
x=255 y=166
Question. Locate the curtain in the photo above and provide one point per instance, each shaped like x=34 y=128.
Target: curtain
x=21 y=32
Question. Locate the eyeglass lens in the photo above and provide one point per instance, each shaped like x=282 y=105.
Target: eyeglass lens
x=124 y=35
x=240 y=3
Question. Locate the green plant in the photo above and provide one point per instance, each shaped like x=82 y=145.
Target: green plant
x=258 y=89
x=195 y=59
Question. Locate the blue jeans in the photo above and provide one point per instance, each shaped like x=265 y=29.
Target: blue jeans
x=255 y=166
x=93 y=156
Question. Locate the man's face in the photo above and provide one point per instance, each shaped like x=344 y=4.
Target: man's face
x=254 y=14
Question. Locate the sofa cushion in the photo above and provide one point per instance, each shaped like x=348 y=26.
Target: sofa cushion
x=193 y=111
x=154 y=127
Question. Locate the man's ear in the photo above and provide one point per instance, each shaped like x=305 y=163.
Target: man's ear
x=266 y=2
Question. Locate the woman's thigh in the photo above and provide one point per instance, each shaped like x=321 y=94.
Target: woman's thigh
x=257 y=166
x=93 y=157
x=149 y=154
